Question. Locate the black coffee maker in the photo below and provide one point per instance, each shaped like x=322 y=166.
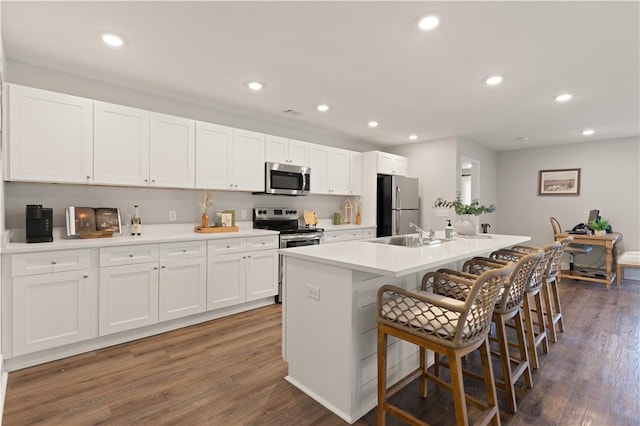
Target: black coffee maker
x=39 y=224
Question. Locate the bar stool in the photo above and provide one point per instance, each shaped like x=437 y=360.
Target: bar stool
x=535 y=338
x=509 y=306
x=445 y=325
x=550 y=291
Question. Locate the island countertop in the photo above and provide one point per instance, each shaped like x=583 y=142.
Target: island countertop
x=398 y=261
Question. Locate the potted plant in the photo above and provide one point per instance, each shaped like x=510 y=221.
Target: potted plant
x=599 y=226
x=466 y=224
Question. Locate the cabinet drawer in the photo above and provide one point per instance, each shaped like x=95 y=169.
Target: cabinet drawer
x=227 y=245
x=353 y=234
x=267 y=242
x=47 y=262
x=369 y=233
x=183 y=250
x=128 y=255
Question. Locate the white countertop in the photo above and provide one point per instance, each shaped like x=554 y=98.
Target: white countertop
x=398 y=261
x=330 y=227
x=151 y=234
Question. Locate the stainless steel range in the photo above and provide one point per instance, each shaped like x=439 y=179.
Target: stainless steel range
x=285 y=220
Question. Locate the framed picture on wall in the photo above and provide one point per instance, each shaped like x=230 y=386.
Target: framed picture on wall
x=559 y=182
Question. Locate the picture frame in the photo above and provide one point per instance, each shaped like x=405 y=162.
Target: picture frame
x=559 y=182
x=233 y=217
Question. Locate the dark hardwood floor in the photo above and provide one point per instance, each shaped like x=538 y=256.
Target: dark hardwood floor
x=230 y=372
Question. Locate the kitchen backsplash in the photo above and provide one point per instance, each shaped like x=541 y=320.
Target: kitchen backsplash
x=155 y=203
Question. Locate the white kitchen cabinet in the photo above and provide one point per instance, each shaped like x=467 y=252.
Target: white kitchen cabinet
x=50 y=136
x=121 y=145
x=369 y=233
x=183 y=280
x=128 y=297
x=229 y=159
x=172 y=155
x=355 y=173
x=286 y=151
x=391 y=164
x=343 y=235
x=329 y=170
x=241 y=270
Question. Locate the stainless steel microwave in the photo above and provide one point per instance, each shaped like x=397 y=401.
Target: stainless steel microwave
x=287 y=179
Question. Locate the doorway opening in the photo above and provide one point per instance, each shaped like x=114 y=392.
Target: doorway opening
x=469 y=179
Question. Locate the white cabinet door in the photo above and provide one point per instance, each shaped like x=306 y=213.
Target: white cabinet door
x=262 y=274
x=214 y=156
x=128 y=297
x=248 y=161
x=50 y=136
x=319 y=163
x=355 y=173
x=172 y=151
x=298 y=153
x=226 y=280
x=51 y=310
x=391 y=164
x=338 y=171
x=183 y=287
x=399 y=166
x=276 y=149
x=121 y=145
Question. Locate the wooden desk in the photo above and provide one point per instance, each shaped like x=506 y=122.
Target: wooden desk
x=608 y=242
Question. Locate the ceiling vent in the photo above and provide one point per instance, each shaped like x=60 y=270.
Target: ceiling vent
x=293 y=112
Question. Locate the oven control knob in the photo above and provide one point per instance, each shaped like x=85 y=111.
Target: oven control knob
x=294 y=212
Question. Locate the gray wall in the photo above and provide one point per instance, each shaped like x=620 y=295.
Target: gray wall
x=609 y=182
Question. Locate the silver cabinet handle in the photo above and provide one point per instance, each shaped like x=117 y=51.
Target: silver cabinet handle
x=85 y=276
x=146 y=180
x=228 y=246
x=88 y=177
x=130 y=255
x=155 y=268
x=164 y=267
x=153 y=181
x=53 y=262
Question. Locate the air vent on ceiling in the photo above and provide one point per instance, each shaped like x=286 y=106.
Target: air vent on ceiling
x=292 y=112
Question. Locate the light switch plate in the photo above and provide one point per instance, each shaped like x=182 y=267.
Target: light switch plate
x=313 y=292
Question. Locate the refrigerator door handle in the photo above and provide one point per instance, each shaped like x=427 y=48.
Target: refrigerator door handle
x=398 y=199
x=399 y=213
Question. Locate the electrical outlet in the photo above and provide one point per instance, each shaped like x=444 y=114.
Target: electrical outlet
x=172 y=215
x=313 y=292
x=243 y=214
x=442 y=212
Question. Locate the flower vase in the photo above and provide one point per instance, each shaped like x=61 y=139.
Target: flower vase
x=466 y=224
x=204 y=220
x=600 y=233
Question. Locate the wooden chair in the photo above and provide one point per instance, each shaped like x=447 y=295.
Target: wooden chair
x=509 y=306
x=446 y=326
x=535 y=337
x=628 y=259
x=571 y=249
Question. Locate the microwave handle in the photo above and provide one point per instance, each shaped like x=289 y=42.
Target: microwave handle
x=304 y=181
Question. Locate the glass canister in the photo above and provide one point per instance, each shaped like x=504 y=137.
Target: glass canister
x=336 y=218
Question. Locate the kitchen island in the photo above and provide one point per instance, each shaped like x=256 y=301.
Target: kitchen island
x=329 y=324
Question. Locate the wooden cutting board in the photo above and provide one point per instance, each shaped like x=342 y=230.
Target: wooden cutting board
x=310 y=218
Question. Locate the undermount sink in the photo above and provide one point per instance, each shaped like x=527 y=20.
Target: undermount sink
x=409 y=240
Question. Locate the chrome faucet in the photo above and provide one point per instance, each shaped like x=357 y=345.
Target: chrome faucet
x=428 y=234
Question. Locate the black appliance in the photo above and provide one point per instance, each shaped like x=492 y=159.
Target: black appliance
x=285 y=221
x=39 y=225
x=286 y=179
x=398 y=205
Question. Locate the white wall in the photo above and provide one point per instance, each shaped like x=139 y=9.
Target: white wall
x=610 y=182
x=434 y=164
x=154 y=203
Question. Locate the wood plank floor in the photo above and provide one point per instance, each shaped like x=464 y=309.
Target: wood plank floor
x=230 y=372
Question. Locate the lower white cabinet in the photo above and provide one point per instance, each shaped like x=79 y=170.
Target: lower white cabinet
x=348 y=235
x=247 y=271
x=128 y=297
x=183 y=288
x=51 y=310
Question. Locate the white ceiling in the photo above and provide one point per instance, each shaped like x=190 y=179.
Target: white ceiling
x=365 y=59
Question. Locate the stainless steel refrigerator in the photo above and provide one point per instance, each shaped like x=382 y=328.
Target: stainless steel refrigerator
x=398 y=205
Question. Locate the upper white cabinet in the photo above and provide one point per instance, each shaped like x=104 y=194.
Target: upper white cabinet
x=329 y=170
x=172 y=151
x=286 y=151
x=136 y=147
x=50 y=136
x=121 y=143
x=355 y=173
x=391 y=164
x=229 y=159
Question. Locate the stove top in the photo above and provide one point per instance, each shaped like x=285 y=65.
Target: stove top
x=284 y=220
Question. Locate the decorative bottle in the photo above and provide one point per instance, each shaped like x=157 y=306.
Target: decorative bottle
x=136 y=223
x=448 y=231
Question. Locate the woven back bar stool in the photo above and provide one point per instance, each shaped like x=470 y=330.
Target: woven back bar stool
x=509 y=306
x=446 y=326
x=536 y=332
x=550 y=292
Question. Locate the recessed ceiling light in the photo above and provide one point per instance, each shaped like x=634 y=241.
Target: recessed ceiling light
x=564 y=97
x=323 y=108
x=372 y=124
x=428 y=22
x=255 y=85
x=588 y=132
x=112 y=40
x=413 y=137
x=493 y=80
